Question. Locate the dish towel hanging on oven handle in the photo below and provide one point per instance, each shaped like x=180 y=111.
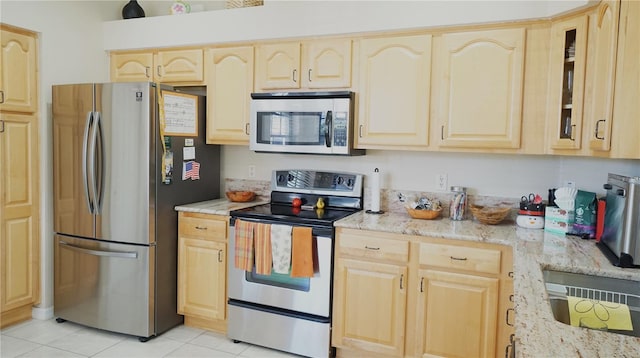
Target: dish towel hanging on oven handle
x=262 y=248
x=244 y=245
x=281 y=248
x=301 y=252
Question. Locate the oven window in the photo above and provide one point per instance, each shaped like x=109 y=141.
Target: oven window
x=290 y=128
x=279 y=280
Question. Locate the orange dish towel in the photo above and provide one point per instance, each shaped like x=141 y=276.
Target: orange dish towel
x=244 y=245
x=301 y=252
x=262 y=245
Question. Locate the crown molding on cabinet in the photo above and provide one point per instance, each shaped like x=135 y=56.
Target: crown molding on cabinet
x=289 y=19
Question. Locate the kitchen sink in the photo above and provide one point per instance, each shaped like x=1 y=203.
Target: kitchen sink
x=559 y=284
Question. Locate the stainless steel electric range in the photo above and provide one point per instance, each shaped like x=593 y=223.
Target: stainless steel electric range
x=292 y=314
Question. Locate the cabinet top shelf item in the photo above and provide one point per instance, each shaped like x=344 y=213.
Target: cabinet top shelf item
x=281 y=19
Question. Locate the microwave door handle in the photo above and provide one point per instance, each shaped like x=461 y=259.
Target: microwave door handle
x=328 y=128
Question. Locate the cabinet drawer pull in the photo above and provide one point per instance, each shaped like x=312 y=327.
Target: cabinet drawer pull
x=219 y=255
x=401 y=281
x=458 y=258
x=371 y=248
x=294 y=75
x=201 y=228
x=595 y=132
x=509 y=323
x=421 y=284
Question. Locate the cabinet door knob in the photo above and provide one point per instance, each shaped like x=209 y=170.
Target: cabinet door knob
x=360 y=131
x=146 y=72
x=509 y=323
x=421 y=284
x=246 y=129
x=1 y=126
x=158 y=70
x=1 y=97
x=595 y=132
x=219 y=255
x=294 y=75
x=442 y=132
x=309 y=75
x=401 y=281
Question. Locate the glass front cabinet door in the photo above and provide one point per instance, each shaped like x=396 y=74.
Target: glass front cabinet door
x=566 y=86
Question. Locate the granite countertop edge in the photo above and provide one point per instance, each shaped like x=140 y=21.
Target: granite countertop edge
x=537 y=333
x=218 y=206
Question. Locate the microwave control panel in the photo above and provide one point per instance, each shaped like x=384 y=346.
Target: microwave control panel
x=340 y=129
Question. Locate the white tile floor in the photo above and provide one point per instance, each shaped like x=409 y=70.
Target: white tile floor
x=36 y=338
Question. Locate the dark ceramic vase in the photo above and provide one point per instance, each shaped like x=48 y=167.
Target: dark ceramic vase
x=132 y=10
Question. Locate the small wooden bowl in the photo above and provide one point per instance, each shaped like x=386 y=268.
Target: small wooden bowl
x=241 y=196
x=424 y=214
x=490 y=215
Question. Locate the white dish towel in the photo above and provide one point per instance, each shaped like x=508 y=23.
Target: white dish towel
x=281 y=248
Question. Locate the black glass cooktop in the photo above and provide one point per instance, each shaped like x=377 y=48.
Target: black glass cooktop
x=286 y=214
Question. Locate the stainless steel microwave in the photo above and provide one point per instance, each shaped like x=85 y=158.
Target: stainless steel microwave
x=303 y=122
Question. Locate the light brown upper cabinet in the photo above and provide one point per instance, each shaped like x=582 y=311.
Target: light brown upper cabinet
x=566 y=83
x=601 y=62
x=394 y=84
x=229 y=87
x=626 y=105
x=166 y=66
x=478 y=88
x=18 y=87
x=313 y=64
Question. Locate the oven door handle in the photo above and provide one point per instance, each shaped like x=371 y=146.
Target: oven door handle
x=328 y=123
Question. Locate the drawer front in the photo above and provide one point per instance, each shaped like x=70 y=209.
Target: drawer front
x=460 y=257
x=203 y=226
x=373 y=247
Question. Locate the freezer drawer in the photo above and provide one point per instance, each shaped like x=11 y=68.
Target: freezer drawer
x=105 y=285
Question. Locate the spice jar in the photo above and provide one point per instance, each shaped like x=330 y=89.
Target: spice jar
x=458 y=203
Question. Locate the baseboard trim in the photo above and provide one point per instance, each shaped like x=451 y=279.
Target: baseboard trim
x=42 y=313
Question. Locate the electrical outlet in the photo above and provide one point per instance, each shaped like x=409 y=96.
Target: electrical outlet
x=252 y=171
x=441 y=182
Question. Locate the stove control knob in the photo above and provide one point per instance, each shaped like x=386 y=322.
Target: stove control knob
x=320 y=203
x=280 y=178
x=349 y=182
x=340 y=180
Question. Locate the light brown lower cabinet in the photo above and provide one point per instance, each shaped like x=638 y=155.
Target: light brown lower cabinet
x=202 y=270
x=409 y=296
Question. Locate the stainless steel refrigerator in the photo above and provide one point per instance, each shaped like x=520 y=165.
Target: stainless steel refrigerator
x=116 y=180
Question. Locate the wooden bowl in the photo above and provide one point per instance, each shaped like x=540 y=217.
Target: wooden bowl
x=241 y=196
x=424 y=214
x=490 y=215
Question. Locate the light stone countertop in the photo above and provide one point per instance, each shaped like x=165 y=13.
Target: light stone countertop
x=538 y=334
x=219 y=206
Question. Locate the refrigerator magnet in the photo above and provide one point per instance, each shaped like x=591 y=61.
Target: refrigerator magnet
x=167 y=167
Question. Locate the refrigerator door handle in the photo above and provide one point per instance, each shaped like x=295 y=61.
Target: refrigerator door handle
x=120 y=254
x=85 y=176
x=98 y=155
